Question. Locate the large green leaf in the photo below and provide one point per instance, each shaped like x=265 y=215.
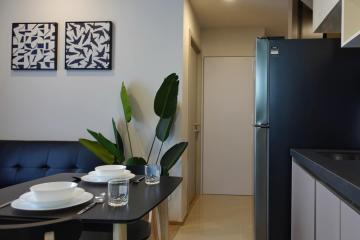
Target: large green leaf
x=172 y=156
x=166 y=97
x=108 y=145
x=135 y=161
x=125 y=103
x=98 y=150
x=119 y=141
x=163 y=128
x=164 y=172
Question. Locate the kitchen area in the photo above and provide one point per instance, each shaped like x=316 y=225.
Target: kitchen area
x=267 y=119
x=306 y=134
x=325 y=194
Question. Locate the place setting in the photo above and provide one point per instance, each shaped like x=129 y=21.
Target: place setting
x=52 y=196
x=103 y=174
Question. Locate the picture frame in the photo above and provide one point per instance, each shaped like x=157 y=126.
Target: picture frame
x=34 y=46
x=88 y=45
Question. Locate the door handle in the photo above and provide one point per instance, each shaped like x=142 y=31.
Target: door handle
x=262 y=125
x=196 y=127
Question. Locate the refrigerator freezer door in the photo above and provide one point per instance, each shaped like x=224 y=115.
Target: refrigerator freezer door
x=262 y=83
x=261 y=183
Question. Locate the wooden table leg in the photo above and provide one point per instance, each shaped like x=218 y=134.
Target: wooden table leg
x=162 y=220
x=119 y=232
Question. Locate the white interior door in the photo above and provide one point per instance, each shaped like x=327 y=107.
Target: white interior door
x=228 y=117
x=194 y=124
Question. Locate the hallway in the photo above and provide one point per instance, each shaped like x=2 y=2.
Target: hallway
x=217 y=217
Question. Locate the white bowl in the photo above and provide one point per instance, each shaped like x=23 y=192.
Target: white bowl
x=30 y=198
x=53 y=191
x=109 y=170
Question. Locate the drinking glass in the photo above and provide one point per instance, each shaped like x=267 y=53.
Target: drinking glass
x=152 y=174
x=118 y=192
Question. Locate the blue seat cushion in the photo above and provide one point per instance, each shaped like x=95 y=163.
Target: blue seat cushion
x=22 y=161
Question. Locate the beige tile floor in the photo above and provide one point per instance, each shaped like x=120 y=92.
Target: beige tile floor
x=217 y=217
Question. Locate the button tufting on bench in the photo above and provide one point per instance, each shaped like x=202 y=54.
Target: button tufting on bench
x=22 y=161
x=17 y=166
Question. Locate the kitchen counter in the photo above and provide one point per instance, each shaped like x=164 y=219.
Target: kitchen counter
x=342 y=176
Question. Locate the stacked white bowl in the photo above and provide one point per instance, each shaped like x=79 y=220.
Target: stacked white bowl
x=107 y=172
x=52 y=191
x=110 y=170
x=52 y=194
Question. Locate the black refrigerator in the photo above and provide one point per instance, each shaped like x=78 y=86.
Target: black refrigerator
x=307 y=96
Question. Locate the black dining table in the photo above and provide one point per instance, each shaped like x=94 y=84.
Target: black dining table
x=143 y=198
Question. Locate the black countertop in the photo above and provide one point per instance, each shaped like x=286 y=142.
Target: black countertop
x=343 y=176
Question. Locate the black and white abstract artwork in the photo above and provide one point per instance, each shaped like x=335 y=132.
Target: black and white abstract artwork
x=34 y=46
x=88 y=45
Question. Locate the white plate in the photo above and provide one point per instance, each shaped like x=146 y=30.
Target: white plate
x=31 y=198
x=118 y=174
x=109 y=169
x=20 y=204
x=97 y=179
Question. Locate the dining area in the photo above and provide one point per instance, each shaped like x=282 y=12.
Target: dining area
x=99 y=184
x=110 y=202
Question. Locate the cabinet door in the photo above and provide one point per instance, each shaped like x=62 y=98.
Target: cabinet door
x=327 y=214
x=350 y=223
x=302 y=204
x=326 y=16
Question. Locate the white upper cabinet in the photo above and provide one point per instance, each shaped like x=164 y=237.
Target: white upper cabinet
x=335 y=16
x=350 y=32
x=308 y=3
x=327 y=16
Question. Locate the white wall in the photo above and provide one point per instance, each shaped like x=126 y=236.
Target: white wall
x=60 y=105
x=190 y=29
x=230 y=41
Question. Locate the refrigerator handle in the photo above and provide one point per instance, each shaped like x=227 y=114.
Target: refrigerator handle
x=262 y=125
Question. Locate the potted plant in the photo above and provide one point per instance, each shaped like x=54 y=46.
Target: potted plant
x=165 y=104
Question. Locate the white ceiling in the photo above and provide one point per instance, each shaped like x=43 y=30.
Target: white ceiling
x=271 y=14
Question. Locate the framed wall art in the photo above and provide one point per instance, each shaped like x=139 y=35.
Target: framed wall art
x=88 y=45
x=34 y=46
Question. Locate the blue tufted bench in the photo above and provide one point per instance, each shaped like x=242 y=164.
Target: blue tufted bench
x=22 y=161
